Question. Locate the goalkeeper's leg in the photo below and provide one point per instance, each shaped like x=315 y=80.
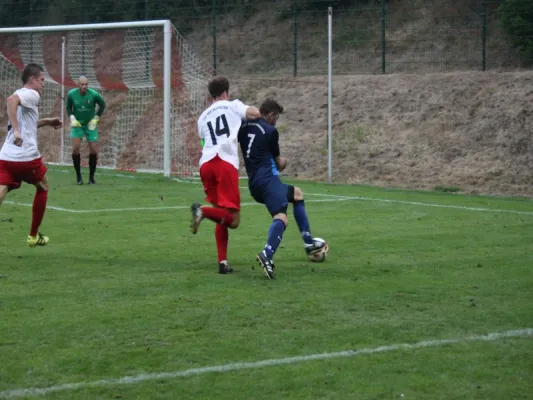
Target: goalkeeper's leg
x=76 y=158
x=93 y=158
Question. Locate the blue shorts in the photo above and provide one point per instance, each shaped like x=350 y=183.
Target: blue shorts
x=272 y=193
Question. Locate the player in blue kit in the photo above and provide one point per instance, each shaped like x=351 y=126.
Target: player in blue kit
x=259 y=141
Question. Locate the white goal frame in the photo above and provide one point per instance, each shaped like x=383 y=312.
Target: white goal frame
x=167 y=28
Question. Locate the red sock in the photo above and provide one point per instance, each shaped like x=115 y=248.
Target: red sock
x=218 y=215
x=222 y=236
x=39 y=207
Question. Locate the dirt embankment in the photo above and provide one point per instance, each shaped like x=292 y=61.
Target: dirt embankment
x=471 y=131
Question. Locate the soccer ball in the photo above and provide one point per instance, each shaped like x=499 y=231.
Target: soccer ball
x=320 y=255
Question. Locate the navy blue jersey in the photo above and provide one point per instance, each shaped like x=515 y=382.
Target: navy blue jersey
x=260 y=146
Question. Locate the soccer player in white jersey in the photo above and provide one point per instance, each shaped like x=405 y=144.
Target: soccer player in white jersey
x=20 y=159
x=218 y=127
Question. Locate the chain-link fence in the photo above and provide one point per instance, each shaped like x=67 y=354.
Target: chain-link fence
x=289 y=37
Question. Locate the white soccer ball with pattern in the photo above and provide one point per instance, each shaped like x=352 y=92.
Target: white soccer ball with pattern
x=319 y=255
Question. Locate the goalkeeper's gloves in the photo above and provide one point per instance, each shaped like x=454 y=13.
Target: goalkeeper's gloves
x=94 y=122
x=74 y=122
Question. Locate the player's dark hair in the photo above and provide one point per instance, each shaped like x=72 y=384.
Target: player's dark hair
x=217 y=86
x=31 y=70
x=270 y=105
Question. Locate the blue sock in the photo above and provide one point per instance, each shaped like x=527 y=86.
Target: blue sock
x=275 y=234
x=303 y=223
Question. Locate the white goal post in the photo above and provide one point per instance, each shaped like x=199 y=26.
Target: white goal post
x=153 y=83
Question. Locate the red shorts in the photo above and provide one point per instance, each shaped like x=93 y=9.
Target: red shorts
x=13 y=173
x=221 y=183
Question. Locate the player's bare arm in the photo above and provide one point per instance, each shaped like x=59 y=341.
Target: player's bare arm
x=13 y=102
x=281 y=163
x=252 y=113
x=54 y=122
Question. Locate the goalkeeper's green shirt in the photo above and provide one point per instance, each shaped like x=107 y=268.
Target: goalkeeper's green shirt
x=84 y=106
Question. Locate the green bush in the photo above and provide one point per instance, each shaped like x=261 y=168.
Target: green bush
x=516 y=17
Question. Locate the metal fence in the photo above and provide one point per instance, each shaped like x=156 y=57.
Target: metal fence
x=290 y=36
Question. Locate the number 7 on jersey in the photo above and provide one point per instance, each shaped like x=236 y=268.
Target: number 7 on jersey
x=252 y=137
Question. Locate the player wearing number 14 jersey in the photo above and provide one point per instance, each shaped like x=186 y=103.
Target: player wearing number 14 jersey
x=218 y=127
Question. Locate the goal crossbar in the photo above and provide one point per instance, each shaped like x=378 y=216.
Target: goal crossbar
x=82 y=27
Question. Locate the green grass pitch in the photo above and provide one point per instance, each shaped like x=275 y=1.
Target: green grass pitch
x=125 y=303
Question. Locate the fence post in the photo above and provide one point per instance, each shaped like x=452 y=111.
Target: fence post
x=484 y=36
x=383 y=37
x=330 y=92
x=82 y=53
x=294 y=40
x=31 y=34
x=214 y=22
x=147 y=52
x=62 y=100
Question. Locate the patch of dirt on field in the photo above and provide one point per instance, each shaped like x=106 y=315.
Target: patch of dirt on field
x=471 y=131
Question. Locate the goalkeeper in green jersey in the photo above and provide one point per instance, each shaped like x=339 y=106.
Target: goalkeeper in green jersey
x=84 y=117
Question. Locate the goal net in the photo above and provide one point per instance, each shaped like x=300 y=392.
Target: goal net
x=126 y=65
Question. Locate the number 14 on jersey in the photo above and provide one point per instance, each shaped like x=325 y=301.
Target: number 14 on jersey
x=221 y=128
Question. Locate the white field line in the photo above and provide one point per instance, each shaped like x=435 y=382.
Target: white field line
x=147 y=208
x=328 y=198
x=412 y=203
x=48 y=207
x=416 y=203
x=130 y=380
x=332 y=196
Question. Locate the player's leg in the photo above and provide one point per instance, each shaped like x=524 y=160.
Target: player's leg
x=221 y=186
x=227 y=217
x=222 y=240
x=8 y=180
x=92 y=139
x=36 y=175
x=275 y=236
x=296 y=197
x=228 y=201
x=76 y=135
x=209 y=181
x=224 y=216
x=39 y=207
x=3 y=191
x=220 y=216
x=275 y=197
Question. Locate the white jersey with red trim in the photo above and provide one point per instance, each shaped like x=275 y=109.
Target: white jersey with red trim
x=27 y=116
x=219 y=127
